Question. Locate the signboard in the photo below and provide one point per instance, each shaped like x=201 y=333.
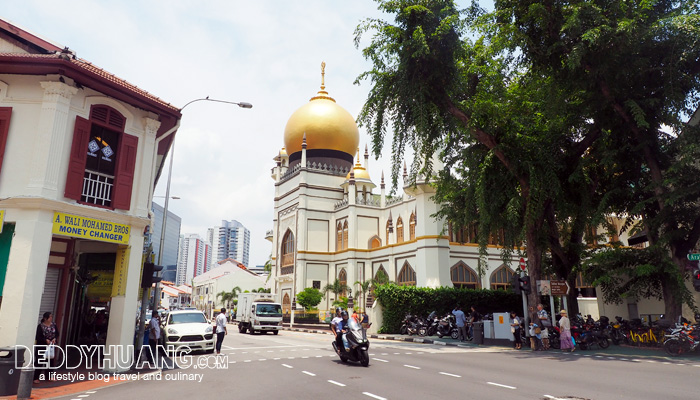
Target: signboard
x=88 y=228
x=694 y=257
x=543 y=287
x=100 y=289
x=121 y=267
x=559 y=288
x=523 y=264
x=2 y=219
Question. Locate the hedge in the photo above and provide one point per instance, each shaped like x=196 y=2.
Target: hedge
x=398 y=301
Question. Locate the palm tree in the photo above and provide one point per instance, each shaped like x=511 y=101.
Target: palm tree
x=364 y=287
x=268 y=267
x=228 y=297
x=336 y=287
x=261 y=290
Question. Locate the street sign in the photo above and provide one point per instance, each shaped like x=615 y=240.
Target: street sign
x=559 y=288
x=543 y=287
x=523 y=264
x=694 y=257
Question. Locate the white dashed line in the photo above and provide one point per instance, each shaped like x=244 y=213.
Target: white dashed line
x=448 y=374
x=552 y=397
x=305 y=357
x=409 y=353
x=308 y=373
x=286 y=365
x=336 y=383
x=411 y=366
x=263 y=359
x=379 y=359
x=319 y=356
x=91 y=392
x=87 y=395
x=623 y=359
x=276 y=358
x=397 y=353
x=247 y=361
x=500 y=385
x=373 y=396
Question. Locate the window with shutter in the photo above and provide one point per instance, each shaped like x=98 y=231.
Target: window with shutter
x=102 y=161
x=5 y=114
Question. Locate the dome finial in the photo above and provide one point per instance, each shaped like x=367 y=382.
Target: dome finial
x=323 y=75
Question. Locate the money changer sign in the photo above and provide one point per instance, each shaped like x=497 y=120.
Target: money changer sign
x=88 y=228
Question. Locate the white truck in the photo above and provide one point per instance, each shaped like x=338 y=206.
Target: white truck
x=259 y=312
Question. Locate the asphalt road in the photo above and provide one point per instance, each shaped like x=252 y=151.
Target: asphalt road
x=296 y=365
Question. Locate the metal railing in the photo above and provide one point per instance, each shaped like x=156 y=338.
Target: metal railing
x=97 y=188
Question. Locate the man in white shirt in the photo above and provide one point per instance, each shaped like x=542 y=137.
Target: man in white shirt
x=221 y=330
x=461 y=321
x=336 y=328
x=154 y=334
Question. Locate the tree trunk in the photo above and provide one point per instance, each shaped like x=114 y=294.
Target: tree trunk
x=572 y=297
x=672 y=303
x=534 y=264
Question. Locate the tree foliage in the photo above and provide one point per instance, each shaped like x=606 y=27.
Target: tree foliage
x=309 y=298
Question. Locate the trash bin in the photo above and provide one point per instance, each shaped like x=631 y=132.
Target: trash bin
x=10 y=357
x=478 y=332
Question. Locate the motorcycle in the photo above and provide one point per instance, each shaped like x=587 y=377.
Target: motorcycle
x=356 y=336
x=447 y=326
x=682 y=340
x=432 y=323
x=410 y=325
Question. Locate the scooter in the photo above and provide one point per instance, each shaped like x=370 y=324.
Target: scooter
x=356 y=336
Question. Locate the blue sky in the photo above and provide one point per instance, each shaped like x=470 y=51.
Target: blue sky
x=264 y=52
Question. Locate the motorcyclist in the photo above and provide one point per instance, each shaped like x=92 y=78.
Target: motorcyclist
x=336 y=326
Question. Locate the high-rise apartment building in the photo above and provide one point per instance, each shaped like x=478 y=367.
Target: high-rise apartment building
x=171 y=243
x=194 y=258
x=230 y=240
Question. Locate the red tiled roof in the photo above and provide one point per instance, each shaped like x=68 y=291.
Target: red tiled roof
x=93 y=69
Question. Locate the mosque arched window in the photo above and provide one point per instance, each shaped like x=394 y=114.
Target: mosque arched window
x=339 y=237
x=375 y=242
x=501 y=278
x=388 y=230
x=412 y=227
x=345 y=235
x=287 y=252
x=407 y=275
x=463 y=277
x=399 y=230
x=343 y=280
x=381 y=276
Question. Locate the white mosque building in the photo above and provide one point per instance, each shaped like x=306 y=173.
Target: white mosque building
x=330 y=222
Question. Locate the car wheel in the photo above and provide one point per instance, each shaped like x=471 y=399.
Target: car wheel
x=277 y=332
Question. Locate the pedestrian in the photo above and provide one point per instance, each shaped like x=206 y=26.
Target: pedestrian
x=565 y=333
x=544 y=325
x=535 y=330
x=515 y=329
x=365 y=320
x=461 y=320
x=355 y=316
x=221 y=329
x=474 y=316
x=46 y=335
x=154 y=335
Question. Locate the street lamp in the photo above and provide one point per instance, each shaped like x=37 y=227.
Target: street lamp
x=156 y=294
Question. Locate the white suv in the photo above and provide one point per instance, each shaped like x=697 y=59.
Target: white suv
x=189 y=328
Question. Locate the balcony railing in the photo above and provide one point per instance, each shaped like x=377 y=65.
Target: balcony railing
x=97 y=188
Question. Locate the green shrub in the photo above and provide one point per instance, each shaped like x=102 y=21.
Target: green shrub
x=398 y=301
x=309 y=298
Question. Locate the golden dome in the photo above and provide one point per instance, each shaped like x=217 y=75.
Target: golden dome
x=360 y=173
x=327 y=125
x=283 y=152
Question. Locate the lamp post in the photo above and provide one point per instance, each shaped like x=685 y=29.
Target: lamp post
x=156 y=294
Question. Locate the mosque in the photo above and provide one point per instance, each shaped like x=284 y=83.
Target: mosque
x=330 y=222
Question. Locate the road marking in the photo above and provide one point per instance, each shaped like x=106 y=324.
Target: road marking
x=308 y=373
x=87 y=395
x=397 y=353
x=409 y=366
x=371 y=354
x=504 y=386
x=336 y=383
x=262 y=347
x=319 y=356
x=448 y=374
x=552 y=397
x=623 y=359
x=227 y=347
x=379 y=359
x=91 y=392
x=231 y=362
x=373 y=396
x=305 y=357
x=385 y=354
x=698 y=365
x=286 y=365
x=276 y=358
x=246 y=361
x=263 y=359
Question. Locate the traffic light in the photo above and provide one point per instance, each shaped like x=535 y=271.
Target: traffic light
x=525 y=284
x=696 y=280
x=515 y=284
x=148 y=278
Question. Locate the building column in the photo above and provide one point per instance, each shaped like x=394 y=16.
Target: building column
x=26 y=272
x=143 y=184
x=122 y=313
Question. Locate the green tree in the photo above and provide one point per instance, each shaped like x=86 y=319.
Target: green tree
x=363 y=287
x=337 y=288
x=309 y=298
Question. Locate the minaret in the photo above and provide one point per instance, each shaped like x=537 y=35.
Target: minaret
x=382 y=203
x=352 y=189
x=366 y=158
x=303 y=151
x=405 y=180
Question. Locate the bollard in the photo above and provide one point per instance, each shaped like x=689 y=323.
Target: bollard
x=26 y=378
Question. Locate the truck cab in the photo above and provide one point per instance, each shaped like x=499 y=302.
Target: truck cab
x=259 y=312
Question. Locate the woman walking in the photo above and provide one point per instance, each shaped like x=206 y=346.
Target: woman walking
x=46 y=335
x=515 y=329
x=565 y=333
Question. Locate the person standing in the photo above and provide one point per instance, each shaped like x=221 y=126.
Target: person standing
x=154 y=335
x=535 y=341
x=515 y=329
x=474 y=316
x=221 y=329
x=46 y=335
x=543 y=317
x=565 y=333
x=461 y=320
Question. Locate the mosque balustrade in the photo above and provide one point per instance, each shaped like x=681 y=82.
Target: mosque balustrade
x=331 y=169
x=290 y=172
x=341 y=204
x=370 y=201
x=393 y=200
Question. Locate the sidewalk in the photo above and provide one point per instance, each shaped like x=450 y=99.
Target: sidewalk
x=624 y=351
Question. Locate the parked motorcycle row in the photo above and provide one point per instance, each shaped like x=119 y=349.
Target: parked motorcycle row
x=431 y=325
x=676 y=338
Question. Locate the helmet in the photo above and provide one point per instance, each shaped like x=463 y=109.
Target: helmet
x=344 y=314
x=338 y=310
